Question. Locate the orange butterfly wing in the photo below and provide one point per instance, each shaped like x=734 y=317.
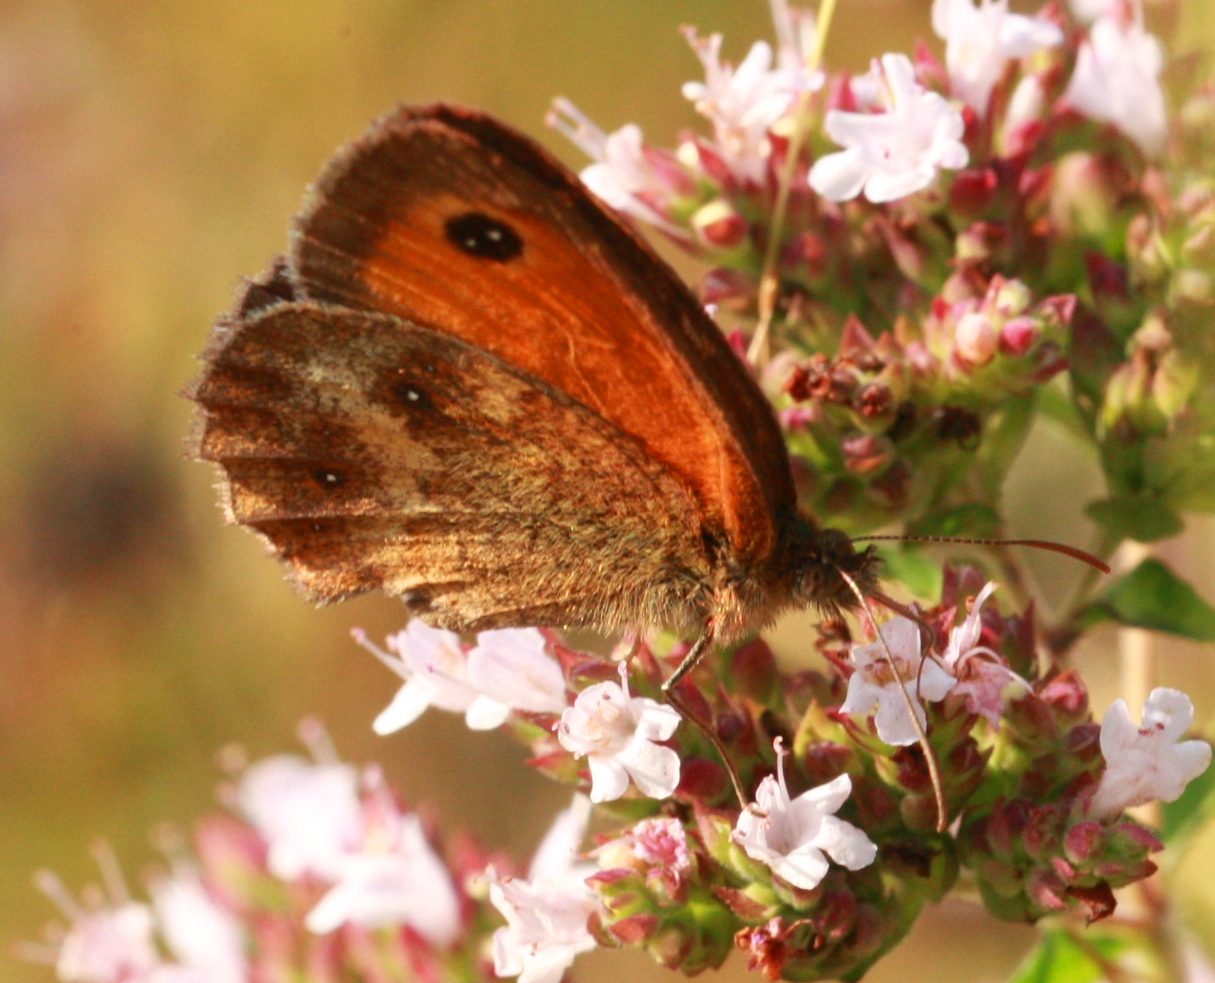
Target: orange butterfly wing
x=447 y=218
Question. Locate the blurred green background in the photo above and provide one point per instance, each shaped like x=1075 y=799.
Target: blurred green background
x=151 y=151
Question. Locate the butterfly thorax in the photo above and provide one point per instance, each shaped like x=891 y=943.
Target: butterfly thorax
x=805 y=570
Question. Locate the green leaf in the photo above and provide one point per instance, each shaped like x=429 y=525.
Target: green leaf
x=1152 y=596
x=973 y=519
x=1057 y=959
x=918 y=573
x=1144 y=520
x=1196 y=805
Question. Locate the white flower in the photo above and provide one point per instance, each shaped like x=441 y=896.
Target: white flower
x=512 y=664
x=108 y=945
x=1090 y=10
x=984 y=681
x=794 y=837
x=206 y=938
x=546 y=915
x=744 y=102
x=623 y=176
x=1143 y=764
x=110 y=941
x=556 y=860
x=874 y=682
x=796 y=37
x=896 y=153
x=1117 y=81
x=980 y=41
x=545 y=929
x=393 y=878
x=616 y=732
x=308 y=814
x=435 y=669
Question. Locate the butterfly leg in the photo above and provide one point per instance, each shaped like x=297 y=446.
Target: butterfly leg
x=670 y=690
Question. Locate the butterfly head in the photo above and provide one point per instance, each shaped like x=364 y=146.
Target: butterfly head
x=821 y=562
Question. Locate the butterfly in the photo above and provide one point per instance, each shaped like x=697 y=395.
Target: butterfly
x=471 y=385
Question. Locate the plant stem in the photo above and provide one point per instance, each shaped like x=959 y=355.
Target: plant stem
x=760 y=349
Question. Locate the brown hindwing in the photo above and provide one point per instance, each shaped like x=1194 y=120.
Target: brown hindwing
x=374 y=453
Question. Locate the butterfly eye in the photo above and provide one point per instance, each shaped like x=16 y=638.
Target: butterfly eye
x=486 y=238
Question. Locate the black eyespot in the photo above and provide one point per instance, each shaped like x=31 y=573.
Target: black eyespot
x=411 y=395
x=328 y=478
x=484 y=237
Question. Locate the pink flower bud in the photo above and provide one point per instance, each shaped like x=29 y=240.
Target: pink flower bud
x=1018 y=336
x=866 y=454
x=1083 y=841
x=718 y=225
x=973 y=190
x=975 y=339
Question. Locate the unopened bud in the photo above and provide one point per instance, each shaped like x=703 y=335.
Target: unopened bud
x=1018 y=336
x=866 y=453
x=975 y=339
x=717 y=224
x=1011 y=299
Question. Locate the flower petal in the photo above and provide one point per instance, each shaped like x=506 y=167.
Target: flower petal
x=845 y=843
x=654 y=768
x=839 y=176
x=805 y=867
x=411 y=702
x=486 y=713
x=609 y=780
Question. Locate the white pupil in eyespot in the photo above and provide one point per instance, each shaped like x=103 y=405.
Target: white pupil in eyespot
x=413 y=395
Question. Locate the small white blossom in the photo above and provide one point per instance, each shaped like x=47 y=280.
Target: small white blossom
x=546 y=916
x=794 y=837
x=545 y=929
x=205 y=937
x=744 y=102
x=108 y=939
x=616 y=733
x=980 y=41
x=435 y=669
x=556 y=858
x=892 y=154
x=623 y=176
x=308 y=814
x=1089 y=10
x=984 y=681
x=108 y=945
x=513 y=664
x=1150 y=762
x=874 y=682
x=1117 y=81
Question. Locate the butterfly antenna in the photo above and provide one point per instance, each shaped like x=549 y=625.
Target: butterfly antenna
x=1040 y=544
x=930 y=755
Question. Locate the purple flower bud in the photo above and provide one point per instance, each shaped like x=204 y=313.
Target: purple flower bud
x=1084 y=841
